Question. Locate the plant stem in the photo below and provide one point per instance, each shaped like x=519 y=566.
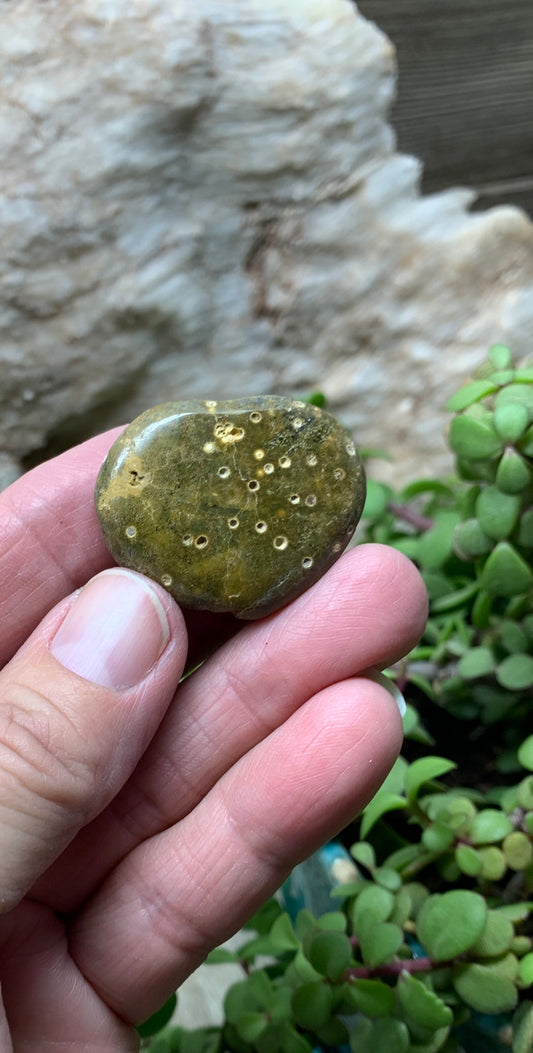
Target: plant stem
x=410 y=516
x=395 y=968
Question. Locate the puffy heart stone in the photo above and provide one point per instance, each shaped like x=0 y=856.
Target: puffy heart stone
x=232 y=506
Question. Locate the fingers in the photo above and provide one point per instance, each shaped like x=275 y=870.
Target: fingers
x=191 y=886
x=78 y=705
x=366 y=611
x=50 y=540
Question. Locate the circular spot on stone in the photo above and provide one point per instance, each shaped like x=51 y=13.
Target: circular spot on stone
x=337 y=546
x=350 y=449
x=210 y=404
x=131 y=531
x=253 y=484
x=201 y=541
x=224 y=471
x=280 y=542
x=259 y=454
x=233 y=523
x=228 y=432
x=255 y=417
x=268 y=468
x=294 y=499
x=339 y=473
x=312 y=460
x=284 y=461
x=187 y=539
x=261 y=527
x=166 y=580
x=209 y=447
x=310 y=500
x=298 y=423
x=307 y=562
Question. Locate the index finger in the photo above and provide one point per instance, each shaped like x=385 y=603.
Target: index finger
x=50 y=539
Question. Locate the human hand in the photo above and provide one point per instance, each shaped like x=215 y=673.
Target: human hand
x=142 y=823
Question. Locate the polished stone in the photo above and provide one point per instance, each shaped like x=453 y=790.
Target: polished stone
x=232 y=506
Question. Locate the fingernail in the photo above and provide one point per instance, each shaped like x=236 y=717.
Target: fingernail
x=379 y=678
x=114 y=632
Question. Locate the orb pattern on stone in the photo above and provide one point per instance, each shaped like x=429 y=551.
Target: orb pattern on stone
x=233 y=506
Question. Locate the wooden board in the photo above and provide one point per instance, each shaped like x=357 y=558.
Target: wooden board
x=465 y=92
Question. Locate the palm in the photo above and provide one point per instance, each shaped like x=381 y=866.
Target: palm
x=264 y=751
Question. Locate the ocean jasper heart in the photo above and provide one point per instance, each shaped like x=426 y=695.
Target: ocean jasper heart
x=232 y=506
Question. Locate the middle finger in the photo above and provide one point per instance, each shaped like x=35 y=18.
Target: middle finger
x=367 y=611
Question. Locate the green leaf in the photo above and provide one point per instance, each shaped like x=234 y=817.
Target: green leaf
x=380 y=805
x=282 y=934
x=525 y=753
x=449 y=924
x=505 y=572
x=518 y=850
x=470 y=393
x=422 y=1005
x=470 y=541
x=312 y=1004
x=373 y=905
x=513 y=473
x=468 y=860
x=364 y=854
x=524 y=793
x=511 y=420
x=483 y=989
x=379 y=943
x=516 y=672
x=251 y=1025
x=522 y=1025
x=497 y=513
x=334 y=1033
x=520 y=394
x=500 y=356
x=496 y=937
x=373 y=997
x=513 y=637
x=388 y=878
x=525 y=970
x=157 y=1021
x=330 y=953
x=388 y=1034
x=424 y=770
x=525 y=529
x=516 y=911
x=479 y=661
x=436 y=544
x=472 y=439
x=292 y=1042
x=488 y=826
x=493 y=865
x=221 y=956
x=437 y=837
x=378 y=496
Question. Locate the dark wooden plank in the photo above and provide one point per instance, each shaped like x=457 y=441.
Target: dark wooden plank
x=465 y=91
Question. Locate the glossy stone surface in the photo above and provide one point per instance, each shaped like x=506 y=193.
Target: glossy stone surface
x=232 y=506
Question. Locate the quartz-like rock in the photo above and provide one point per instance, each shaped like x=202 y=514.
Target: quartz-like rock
x=232 y=506
x=204 y=199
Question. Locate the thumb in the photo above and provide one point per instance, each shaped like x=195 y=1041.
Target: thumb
x=79 y=703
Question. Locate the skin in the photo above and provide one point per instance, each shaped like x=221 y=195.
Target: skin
x=140 y=828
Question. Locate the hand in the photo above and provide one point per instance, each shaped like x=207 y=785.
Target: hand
x=141 y=823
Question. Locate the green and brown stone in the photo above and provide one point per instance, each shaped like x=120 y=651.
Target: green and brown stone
x=232 y=506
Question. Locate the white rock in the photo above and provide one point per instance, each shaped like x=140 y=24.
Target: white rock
x=205 y=199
